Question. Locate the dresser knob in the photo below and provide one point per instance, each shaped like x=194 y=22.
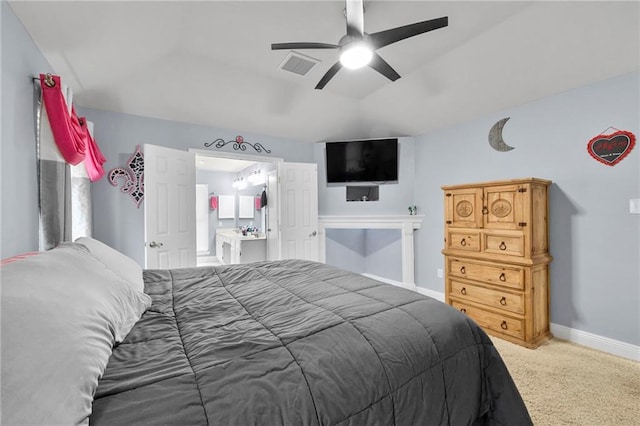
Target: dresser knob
x=463 y=242
x=503 y=301
x=463 y=310
x=503 y=246
x=502 y=277
x=485 y=210
x=503 y=325
x=463 y=291
x=463 y=270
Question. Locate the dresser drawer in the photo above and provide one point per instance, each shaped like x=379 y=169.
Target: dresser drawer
x=468 y=241
x=508 y=244
x=495 y=322
x=512 y=277
x=485 y=296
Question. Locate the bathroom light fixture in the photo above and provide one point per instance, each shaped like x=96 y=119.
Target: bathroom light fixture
x=242 y=184
x=256 y=178
x=252 y=177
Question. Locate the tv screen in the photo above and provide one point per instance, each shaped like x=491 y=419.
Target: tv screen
x=374 y=160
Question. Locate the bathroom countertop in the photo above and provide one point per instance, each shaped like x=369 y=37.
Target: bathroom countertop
x=237 y=235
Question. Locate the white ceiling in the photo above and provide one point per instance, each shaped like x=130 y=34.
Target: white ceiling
x=210 y=62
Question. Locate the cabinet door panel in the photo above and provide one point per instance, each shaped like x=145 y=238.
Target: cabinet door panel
x=463 y=208
x=503 y=207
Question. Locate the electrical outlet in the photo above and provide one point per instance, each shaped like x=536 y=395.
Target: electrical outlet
x=439 y=273
x=634 y=206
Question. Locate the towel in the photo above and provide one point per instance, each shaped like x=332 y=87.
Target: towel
x=263 y=199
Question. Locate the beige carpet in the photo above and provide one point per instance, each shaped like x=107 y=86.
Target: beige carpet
x=566 y=384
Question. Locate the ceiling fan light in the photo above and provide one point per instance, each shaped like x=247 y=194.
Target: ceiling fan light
x=356 y=55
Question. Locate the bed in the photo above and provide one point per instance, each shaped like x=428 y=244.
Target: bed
x=289 y=342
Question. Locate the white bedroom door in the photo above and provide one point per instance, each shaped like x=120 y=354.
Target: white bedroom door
x=169 y=208
x=298 y=192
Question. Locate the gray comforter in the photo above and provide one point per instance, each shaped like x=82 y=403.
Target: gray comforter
x=301 y=343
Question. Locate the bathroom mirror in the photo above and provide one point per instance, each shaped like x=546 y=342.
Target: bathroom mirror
x=246 y=207
x=226 y=207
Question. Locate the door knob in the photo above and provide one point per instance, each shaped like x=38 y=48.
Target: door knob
x=313 y=234
x=153 y=244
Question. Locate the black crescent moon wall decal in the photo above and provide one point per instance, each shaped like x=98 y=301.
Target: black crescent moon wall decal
x=495 y=136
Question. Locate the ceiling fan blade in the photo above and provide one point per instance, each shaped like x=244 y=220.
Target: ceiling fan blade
x=380 y=65
x=329 y=75
x=385 y=38
x=302 y=45
x=355 y=18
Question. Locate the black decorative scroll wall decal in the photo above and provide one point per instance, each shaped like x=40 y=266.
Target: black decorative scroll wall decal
x=239 y=144
x=133 y=177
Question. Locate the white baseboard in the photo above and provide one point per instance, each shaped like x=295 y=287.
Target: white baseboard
x=593 y=341
x=389 y=281
x=431 y=293
x=590 y=340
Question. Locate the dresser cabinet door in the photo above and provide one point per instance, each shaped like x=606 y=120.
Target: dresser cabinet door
x=463 y=208
x=504 y=207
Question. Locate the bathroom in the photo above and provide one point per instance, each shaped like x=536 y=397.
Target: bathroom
x=231 y=208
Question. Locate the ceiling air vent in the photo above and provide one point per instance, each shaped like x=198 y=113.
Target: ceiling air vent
x=298 y=63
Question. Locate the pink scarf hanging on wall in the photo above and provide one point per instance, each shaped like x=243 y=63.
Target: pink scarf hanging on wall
x=72 y=137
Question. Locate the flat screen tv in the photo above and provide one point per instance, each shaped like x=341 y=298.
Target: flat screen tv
x=366 y=161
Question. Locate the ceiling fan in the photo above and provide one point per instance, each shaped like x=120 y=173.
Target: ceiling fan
x=357 y=48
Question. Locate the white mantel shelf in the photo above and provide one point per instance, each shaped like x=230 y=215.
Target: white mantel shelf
x=406 y=223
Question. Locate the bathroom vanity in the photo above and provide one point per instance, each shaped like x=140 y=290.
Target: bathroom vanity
x=233 y=247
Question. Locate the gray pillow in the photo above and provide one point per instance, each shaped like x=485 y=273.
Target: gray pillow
x=123 y=266
x=62 y=312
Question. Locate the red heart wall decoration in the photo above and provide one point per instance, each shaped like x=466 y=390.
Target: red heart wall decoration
x=611 y=149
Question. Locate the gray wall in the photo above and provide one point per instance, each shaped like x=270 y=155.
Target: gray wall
x=345 y=248
x=595 y=241
x=373 y=251
x=116 y=220
x=21 y=60
x=383 y=249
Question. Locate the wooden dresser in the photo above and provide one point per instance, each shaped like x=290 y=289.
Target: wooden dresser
x=497 y=256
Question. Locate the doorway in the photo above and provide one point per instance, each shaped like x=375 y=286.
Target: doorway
x=296 y=194
x=231 y=178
